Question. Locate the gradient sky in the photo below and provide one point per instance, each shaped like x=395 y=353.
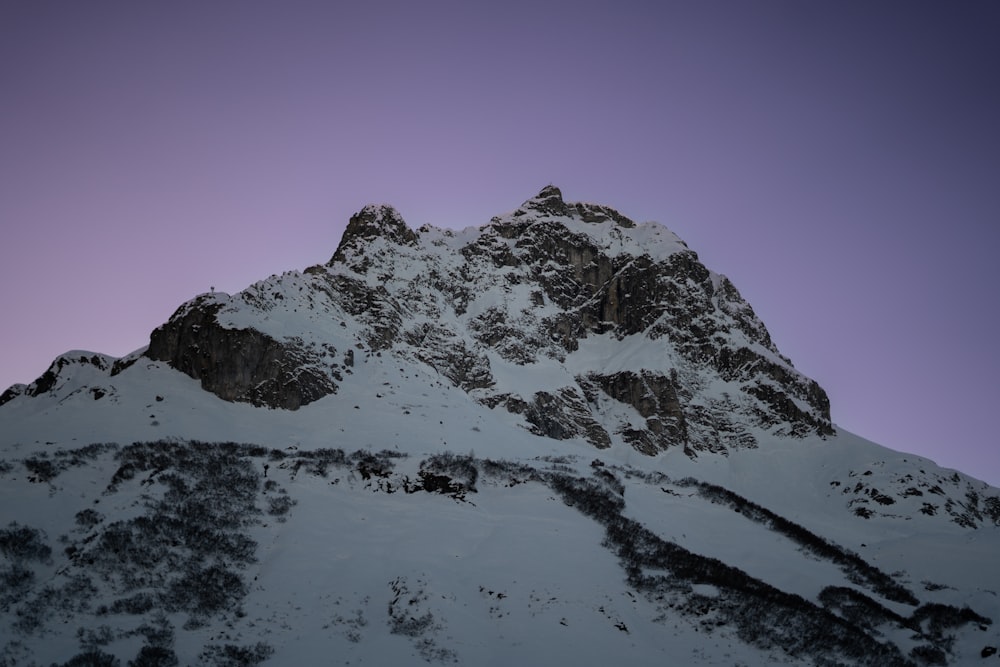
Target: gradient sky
x=839 y=161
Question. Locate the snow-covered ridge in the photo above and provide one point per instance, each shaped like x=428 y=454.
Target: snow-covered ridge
x=605 y=227
x=529 y=290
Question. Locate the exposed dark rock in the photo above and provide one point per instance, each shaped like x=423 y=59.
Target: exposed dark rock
x=549 y=201
x=490 y=246
x=374 y=308
x=598 y=213
x=655 y=398
x=720 y=424
x=677 y=299
x=593 y=292
x=12 y=392
x=239 y=364
x=120 y=365
x=47 y=380
x=447 y=353
x=775 y=386
x=374 y=221
x=562 y=416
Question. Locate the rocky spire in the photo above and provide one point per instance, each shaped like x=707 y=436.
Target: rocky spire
x=373 y=221
x=548 y=201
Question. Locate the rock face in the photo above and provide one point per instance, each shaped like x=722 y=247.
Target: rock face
x=372 y=222
x=240 y=364
x=656 y=350
x=654 y=397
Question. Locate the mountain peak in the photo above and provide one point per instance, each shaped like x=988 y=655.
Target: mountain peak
x=653 y=350
x=627 y=314
x=549 y=203
x=549 y=191
x=374 y=221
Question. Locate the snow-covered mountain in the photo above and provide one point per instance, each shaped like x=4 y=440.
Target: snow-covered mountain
x=555 y=437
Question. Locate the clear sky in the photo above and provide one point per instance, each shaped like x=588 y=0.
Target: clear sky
x=839 y=161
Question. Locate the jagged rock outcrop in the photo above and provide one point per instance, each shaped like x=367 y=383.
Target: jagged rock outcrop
x=375 y=221
x=12 y=392
x=655 y=398
x=241 y=364
x=562 y=415
x=446 y=352
x=370 y=305
x=549 y=202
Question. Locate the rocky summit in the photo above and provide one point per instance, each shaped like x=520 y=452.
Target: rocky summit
x=555 y=437
x=574 y=288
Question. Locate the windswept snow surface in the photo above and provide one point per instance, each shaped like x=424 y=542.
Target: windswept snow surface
x=508 y=574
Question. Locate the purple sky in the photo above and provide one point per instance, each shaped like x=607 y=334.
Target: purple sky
x=840 y=161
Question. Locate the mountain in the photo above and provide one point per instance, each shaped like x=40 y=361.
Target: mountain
x=557 y=436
